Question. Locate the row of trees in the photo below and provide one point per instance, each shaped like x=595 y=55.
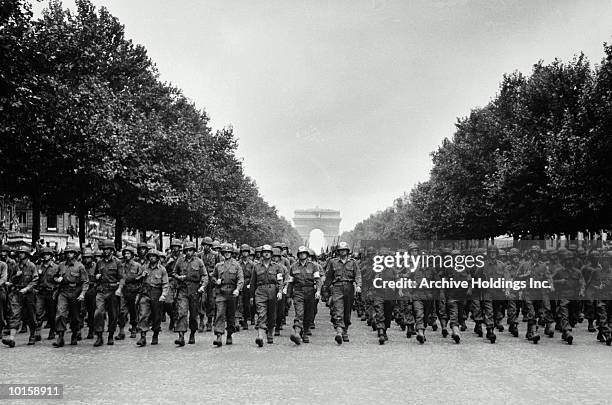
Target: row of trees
x=87 y=127
x=533 y=163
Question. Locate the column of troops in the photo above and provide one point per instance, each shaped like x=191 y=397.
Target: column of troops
x=222 y=288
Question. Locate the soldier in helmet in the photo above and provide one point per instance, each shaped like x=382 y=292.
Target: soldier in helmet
x=191 y=277
x=569 y=283
x=207 y=305
x=153 y=293
x=257 y=258
x=590 y=272
x=491 y=299
x=45 y=293
x=133 y=278
x=266 y=289
x=455 y=297
x=169 y=307
x=111 y=279
x=422 y=298
x=313 y=258
x=73 y=282
x=3 y=279
x=21 y=297
x=304 y=286
x=383 y=300
x=512 y=295
x=280 y=305
x=243 y=312
x=343 y=278
x=228 y=280
x=142 y=249
x=90 y=295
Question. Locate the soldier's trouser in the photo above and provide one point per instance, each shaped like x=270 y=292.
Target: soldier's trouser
x=90 y=306
x=383 y=312
x=538 y=308
x=226 y=315
x=604 y=315
x=68 y=309
x=45 y=309
x=22 y=309
x=3 y=311
x=422 y=308
x=483 y=311
x=244 y=311
x=499 y=309
x=405 y=309
x=476 y=308
x=202 y=304
x=563 y=314
x=186 y=308
x=589 y=307
x=106 y=303
x=342 y=301
x=150 y=311
x=128 y=309
x=513 y=310
x=304 y=305
x=210 y=303
x=280 y=311
x=452 y=312
x=265 y=303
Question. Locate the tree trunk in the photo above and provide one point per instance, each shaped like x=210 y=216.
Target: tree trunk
x=36 y=206
x=161 y=241
x=82 y=224
x=118 y=232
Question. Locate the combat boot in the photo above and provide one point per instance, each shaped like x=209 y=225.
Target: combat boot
x=434 y=326
x=201 y=325
x=381 y=337
x=99 y=341
x=208 y=327
x=491 y=335
x=608 y=337
x=591 y=326
x=364 y=318
x=444 y=330
x=514 y=330
x=421 y=336
x=60 y=340
x=463 y=326
x=143 y=339
x=90 y=334
x=155 y=338
x=74 y=339
x=500 y=327
x=368 y=322
x=305 y=338
x=600 y=336
x=532 y=334
x=478 y=328
x=569 y=338
x=548 y=331
x=133 y=332
x=37 y=334
x=455 y=334
x=218 y=342
x=410 y=330
x=338 y=337
x=32 y=338
x=373 y=326
x=295 y=336
x=191 y=338
x=228 y=339
x=269 y=337
x=78 y=335
x=110 y=340
x=345 y=337
x=181 y=339
x=277 y=331
x=245 y=325
x=259 y=339
x=121 y=334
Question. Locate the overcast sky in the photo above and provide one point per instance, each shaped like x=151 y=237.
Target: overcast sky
x=339 y=103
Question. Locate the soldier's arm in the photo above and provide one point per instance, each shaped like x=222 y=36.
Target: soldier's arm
x=240 y=283
x=280 y=279
x=34 y=280
x=581 y=285
x=84 y=276
x=253 y=282
x=329 y=274
x=203 y=275
x=121 y=273
x=164 y=282
x=317 y=277
x=357 y=275
x=3 y=273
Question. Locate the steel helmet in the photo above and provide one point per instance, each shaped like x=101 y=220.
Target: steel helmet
x=207 y=241
x=492 y=248
x=176 y=243
x=107 y=244
x=343 y=246
x=24 y=249
x=97 y=253
x=71 y=248
x=130 y=249
x=311 y=252
x=258 y=249
x=216 y=245
x=276 y=251
x=302 y=249
x=153 y=252
x=46 y=251
x=87 y=252
x=142 y=245
x=277 y=245
x=515 y=252
x=245 y=247
x=266 y=248
x=226 y=247
x=5 y=248
x=189 y=246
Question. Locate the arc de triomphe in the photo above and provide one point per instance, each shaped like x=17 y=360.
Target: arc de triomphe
x=328 y=221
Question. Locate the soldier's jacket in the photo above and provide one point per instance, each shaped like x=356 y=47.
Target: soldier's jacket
x=111 y=273
x=142 y=261
x=133 y=272
x=457 y=293
x=281 y=263
x=492 y=269
x=337 y=271
x=91 y=272
x=46 y=272
x=231 y=276
x=247 y=270
x=367 y=275
x=28 y=278
x=11 y=267
x=512 y=275
x=73 y=275
x=306 y=276
x=157 y=277
x=267 y=275
x=537 y=271
x=210 y=260
x=3 y=275
x=420 y=273
x=387 y=274
x=569 y=282
x=195 y=272
x=591 y=279
x=603 y=284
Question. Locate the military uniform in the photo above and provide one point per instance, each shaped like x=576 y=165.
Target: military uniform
x=45 y=298
x=266 y=282
x=207 y=304
x=152 y=294
x=568 y=282
x=227 y=279
x=133 y=279
x=244 y=311
x=111 y=279
x=303 y=284
x=73 y=285
x=22 y=297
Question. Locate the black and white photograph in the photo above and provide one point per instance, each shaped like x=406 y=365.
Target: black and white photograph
x=306 y=201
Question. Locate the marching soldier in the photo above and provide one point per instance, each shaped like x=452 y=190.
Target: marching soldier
x=304 y=287
x=90 y=295
x=513 y=296
x=3 y=280
x=132 y=270
x=22 y=298
x=266 y=290
x=141 y=248
x=192 y=278
x=73 y=282
x=383 y=300
x=280 y=304
x=228 y=280
x=423 y=298
x=244 y=311
x=169 y=306
x=455 y=297
x=569 y=283
x=45 y=293
x=343 y=278
x=207 y=299
x=111 y=279
x=153 y=293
